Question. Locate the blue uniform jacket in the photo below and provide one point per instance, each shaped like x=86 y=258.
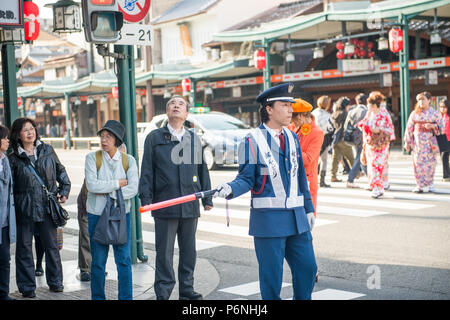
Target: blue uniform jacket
x=271 y=222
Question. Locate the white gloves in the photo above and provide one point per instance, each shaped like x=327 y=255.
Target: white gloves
x=311 y=219
x=223 y=191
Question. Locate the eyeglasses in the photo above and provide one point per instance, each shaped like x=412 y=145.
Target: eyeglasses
x=28 y=130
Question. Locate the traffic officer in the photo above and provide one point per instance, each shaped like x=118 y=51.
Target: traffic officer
x=281 y=212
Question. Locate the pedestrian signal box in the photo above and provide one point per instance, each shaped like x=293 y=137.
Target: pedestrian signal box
x=102 y=20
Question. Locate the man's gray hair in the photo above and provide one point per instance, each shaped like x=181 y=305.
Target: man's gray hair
x=176 y=97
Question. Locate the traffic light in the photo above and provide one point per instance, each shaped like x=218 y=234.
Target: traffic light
x=102 y=20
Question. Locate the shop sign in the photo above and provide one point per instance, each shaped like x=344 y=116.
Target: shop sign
x=11 y=13
x=431 y=77
x=237 y=92
x=345 y=65
x=386 y=79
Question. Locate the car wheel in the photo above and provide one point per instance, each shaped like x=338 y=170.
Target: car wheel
x=209 y=158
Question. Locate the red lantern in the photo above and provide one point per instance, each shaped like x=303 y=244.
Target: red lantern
x=362 y=53
x=396 y=40
x=260 y=59
x=349 y=55
x=340 y=45
x=186 y=85
x=356 y=52
x=354 y=42
x=370 y=45
x=115 y=92
x=370 y=54
x=361 y=43
x=31 y=26
x=19 y=101
x=340 y=54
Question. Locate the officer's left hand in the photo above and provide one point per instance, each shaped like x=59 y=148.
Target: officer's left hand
x=207 y=208
x=311 y=219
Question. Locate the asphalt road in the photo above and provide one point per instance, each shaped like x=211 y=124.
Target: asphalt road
x=392 y=248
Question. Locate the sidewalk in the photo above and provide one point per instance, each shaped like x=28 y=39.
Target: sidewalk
x=143 y=276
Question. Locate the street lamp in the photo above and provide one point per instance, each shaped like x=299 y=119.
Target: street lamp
x=383 y=43
x=318 y=52
x=12 y=35
x=66 y=16
x=290 y=57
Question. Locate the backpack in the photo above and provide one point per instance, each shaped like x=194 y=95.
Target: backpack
x=99 y=160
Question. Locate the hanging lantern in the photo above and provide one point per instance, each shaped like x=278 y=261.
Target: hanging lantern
x=356 y=52
x=361 y=53
x=349 y=48
x=19 y=102
x=31 y=26
x=259 y=59
x=371 y=54
x=354 y=41
x=66 y=16
x=115 y=92
x=186 y=85
x=340 y=45
x=370 y=45
x=395 y=40
x=340 y=54
x=349 y=56
x=361 y=43
x=383 y=43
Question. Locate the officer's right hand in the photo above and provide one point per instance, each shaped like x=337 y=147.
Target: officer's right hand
x=223 y=191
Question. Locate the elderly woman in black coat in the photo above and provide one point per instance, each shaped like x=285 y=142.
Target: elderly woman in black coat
x=31 y=204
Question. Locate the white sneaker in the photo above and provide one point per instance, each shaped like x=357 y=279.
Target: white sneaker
x=352 y=185
x=417 y=190
x=376 y=194
x=431 y=188
x=426 y=189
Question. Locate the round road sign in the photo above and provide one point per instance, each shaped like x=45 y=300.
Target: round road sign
x=134 y=10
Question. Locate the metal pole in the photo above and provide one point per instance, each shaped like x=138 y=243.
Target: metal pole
x=68 y=121
x=127 y=112
x=404 y=78
x=134 y=152
x=9 y=84
x=193 y=90
x=266 y=72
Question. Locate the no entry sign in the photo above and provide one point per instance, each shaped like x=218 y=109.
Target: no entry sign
x=134 y=10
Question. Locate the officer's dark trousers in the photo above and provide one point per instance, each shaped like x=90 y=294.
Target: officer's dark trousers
x=25 y=276
x=165 y=232
x=5 y=260
x=299 y=254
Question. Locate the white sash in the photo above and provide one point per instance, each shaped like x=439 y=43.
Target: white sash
x=280 y=200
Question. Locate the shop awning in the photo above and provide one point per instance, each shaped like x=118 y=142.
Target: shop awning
x=327 y=24
x=103 y=81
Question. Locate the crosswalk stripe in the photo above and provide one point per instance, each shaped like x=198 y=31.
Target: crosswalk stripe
x=376 y=203
x=395 y=192
x=247 y=289
x=149 y=237
x=349 y=212
x=333 y=294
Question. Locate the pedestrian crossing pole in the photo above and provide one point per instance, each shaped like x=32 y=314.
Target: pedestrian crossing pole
x=127 y=113
x=404 y=78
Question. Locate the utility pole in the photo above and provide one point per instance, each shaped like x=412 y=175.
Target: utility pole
x=9 y=84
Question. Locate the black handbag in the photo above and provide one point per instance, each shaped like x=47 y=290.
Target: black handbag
x=443 y=143
x=58 y=214
x=111 y=227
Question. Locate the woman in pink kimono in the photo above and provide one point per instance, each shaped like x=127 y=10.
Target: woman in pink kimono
x=423 y=124
x=378 y=132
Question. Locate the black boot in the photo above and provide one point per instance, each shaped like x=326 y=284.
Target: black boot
x=322 y=180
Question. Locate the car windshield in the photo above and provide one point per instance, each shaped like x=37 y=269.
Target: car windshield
x=220 y=122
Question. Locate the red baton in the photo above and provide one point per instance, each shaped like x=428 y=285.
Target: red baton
x=173 y=202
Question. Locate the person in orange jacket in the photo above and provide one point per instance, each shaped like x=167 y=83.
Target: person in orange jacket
x=311 y=139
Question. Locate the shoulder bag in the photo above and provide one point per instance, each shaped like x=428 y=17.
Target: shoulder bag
x=57 y=212
x=111 y=227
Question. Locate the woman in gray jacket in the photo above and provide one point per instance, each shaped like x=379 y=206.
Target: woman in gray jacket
x=7 y=215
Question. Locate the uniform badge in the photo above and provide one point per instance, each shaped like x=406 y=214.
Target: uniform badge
x=290 y=88
x=194 y=178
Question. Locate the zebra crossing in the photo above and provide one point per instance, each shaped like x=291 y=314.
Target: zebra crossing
x=333 y=203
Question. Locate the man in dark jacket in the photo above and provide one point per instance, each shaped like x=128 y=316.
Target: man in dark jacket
x=173 y=166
